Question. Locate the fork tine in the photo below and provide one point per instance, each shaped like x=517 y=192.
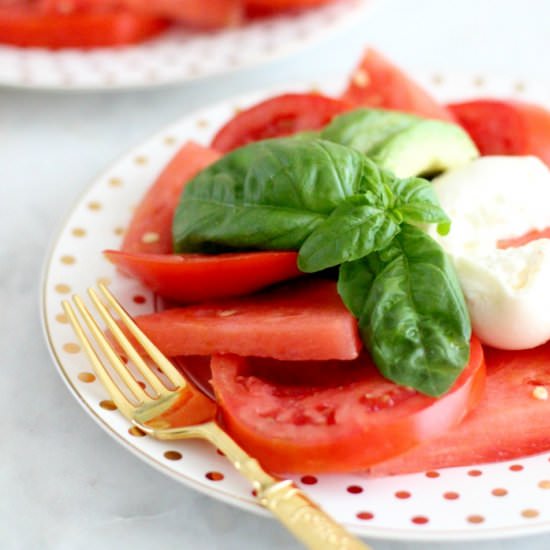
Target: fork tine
x=102 y=373
x=119 y=336
x=161 y=361
x=110 y=353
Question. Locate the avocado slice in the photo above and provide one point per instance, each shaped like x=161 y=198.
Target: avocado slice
x=405 y=144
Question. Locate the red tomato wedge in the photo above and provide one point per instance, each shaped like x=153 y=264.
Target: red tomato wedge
x=508 y=423
x=304 y=320
x=192 y=407
x=267 y=7
x=378 y=83
x=339 y=416
x=197 y=277
x=520 y=241
x=68 y=6
x=506 y=127
x=196 y=13
x=279 y=116
x=29 y=27
x=150 y=230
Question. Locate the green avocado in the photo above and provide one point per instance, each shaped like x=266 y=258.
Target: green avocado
x=405 y=144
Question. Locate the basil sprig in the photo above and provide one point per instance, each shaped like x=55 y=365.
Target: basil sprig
x=411 y=311
x=337 y=207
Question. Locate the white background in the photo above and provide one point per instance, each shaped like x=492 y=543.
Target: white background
x=64 y=484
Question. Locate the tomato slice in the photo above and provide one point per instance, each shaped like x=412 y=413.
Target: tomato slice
x=268 y=7
x=304 y=320
x=279 y=116
x=524 y=239
x=150 y=230
x=378 y=83
x=192 y=406
x=506 y=127
x=508 y=423
x=333 y=416
x=197 y=277
x=196 y=13
x=29 y=27
x=68 y=6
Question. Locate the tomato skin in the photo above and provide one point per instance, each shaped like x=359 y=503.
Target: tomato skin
x=378 y=83
x=278 y=116
x=295 y=427
x=304 y=320
x=27 y=27
x=506 y=127
x=156 y=210
x=62 y=7
x=197 y=277
x=269 y=7
x=508 y=423
x=524 y=239
x=195 y=13
x=191 y=408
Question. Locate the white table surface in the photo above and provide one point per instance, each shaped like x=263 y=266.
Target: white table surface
x=64 y=484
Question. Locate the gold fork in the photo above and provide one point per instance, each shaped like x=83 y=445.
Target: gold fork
x=309 y=524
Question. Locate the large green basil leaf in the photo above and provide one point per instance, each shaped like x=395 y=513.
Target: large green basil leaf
x=271 y=195
x=417 y=202
x=351 y=232
x=414 y=320
x=354 y=282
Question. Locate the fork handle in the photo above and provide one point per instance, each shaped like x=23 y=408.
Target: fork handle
x=305 y=520
x=301 y=516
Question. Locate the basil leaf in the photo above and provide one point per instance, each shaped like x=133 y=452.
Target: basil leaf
x=351 y=232
x=375 y=185
x=414 y=320
x=267 y=195
x=416 y=200
x=354 y=282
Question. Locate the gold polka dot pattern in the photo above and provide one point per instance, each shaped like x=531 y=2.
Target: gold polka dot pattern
x=108 y=405
x=172 y=455
x=71 y=347
x=62 y=288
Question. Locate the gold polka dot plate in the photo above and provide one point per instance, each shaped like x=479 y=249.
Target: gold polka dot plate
x=177 y=56
x=474 y=502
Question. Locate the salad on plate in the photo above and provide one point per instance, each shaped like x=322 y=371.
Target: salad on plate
x=360 y=281
x=101 y=23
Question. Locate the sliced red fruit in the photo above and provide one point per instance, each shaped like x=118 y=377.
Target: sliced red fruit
x=150 y=230
x=508 y=423
x=506 y=127
x=337 y=416
x=191 y=407
x=303 y=320
x=377 y=83
x=269 y=7
x=29 y=26
x=520 y=241
x=197 y=277
x=196 y=13
x=278 y=116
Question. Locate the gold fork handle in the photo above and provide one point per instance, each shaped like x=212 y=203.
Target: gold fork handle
x=309 y=524
x=302 y=517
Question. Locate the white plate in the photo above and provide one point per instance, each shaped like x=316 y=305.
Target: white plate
x=177 y=56
x=488 y=501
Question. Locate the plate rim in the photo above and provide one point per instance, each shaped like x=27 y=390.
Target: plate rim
x=366 y=531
